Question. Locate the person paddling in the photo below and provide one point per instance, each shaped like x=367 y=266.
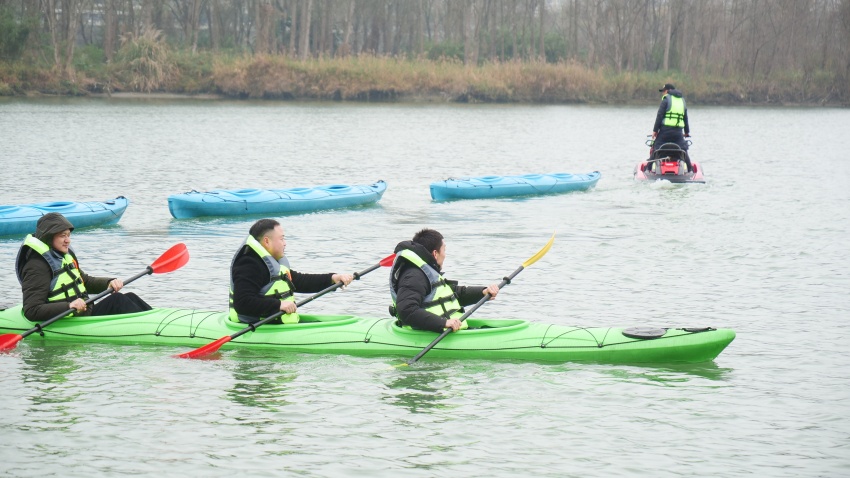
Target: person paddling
x=422 y=298
x=261 y=282
x=53 y=282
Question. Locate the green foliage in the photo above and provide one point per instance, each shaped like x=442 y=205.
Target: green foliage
x=13 y=35
x=193 y=73
x=555 y=47
x=89 y=57
x=445 y=50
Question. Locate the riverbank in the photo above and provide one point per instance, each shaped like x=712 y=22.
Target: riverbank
x=391 y=79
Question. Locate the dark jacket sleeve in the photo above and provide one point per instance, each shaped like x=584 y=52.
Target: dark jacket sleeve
x=35 y=285
x=659 y=117
x=468 y=295
x=249 y=275
x=413 y=286
x=687 y=125
x=95 y=285
x=311 y=282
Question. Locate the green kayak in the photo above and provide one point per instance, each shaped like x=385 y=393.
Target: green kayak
x=346 y=334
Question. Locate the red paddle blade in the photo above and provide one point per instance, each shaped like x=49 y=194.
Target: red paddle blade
x=171 y=260
x=205 y=350
x=387 y=261
x=9 y=341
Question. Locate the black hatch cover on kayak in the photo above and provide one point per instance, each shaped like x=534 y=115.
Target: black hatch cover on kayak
x=644 y=332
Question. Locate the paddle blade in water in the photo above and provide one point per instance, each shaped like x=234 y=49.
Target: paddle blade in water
x=205 y=350
x=9 y=341
x=171 y=260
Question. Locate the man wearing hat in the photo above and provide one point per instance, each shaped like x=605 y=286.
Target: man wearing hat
x=672 y=119
x=52 y=281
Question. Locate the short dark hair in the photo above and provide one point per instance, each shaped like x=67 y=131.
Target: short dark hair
x=430 y=239
x=261 y=227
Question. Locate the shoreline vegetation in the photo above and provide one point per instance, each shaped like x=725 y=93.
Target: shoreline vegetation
x=717 y=52
x=389 y=79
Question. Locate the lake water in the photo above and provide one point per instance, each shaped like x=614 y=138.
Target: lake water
x=761 y=248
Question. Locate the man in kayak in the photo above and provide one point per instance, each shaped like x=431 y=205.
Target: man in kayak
x=52 y=281
x=671 y=121
x=261 y=282
x=422 y=298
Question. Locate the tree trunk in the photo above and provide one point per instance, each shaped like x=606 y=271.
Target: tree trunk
x=73 y=9
x=668 y=36
x=109 y=29
x=196 y=22
x=293 y=23
x=345 y=48
x=542 y=52
x=304 y=47
x=214 y=16
x=63 y=34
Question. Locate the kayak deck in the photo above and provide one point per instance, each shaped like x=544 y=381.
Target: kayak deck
x=240 y=202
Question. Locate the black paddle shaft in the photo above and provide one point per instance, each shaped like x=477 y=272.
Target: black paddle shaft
x=38 y=328
x=253 y=327
x=505 y=281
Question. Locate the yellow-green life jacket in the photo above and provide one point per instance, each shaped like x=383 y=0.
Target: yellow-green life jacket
x=441 y=300
x=675 y=115
x=279 y=285
x=67 y=282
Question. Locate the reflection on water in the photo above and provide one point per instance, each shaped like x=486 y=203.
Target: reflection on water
x=419 y=390
x=258 y=382
x=670 y=374
x=48 y=375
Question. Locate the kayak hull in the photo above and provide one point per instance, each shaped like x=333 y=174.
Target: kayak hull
x=20 y=220
x=510 y=186
x=492 y=339
x=243 y=202
x=674 y=171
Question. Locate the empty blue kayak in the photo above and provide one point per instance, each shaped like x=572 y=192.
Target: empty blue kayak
x=507 y=186
x=241 y=202
x=20 y=220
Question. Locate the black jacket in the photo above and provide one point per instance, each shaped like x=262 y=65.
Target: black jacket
x=662 y=110
x=35 y=274
x=412 y=286
x=35 y=284
x=249 y=274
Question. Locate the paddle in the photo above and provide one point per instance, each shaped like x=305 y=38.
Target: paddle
x=505 y=281
x=171 y=260
x=214 y=346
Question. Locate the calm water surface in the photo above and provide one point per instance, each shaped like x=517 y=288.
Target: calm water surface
x=761 y=248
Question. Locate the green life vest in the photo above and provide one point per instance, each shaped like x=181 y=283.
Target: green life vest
x=279 y=285
x=67 y=282
x=675 y=115
x=441 y=300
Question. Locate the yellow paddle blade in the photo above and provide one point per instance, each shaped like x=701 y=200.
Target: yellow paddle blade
x=540 y=253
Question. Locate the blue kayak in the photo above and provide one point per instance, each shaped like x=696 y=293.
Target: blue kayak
x=241 y=202
x=20 y=220
x=508 y=186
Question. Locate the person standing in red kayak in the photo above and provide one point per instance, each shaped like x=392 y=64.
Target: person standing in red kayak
x=52 y=281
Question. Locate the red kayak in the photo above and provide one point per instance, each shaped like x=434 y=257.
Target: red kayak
x=670 y=163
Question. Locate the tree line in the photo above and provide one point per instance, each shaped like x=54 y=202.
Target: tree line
x=742 y=38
